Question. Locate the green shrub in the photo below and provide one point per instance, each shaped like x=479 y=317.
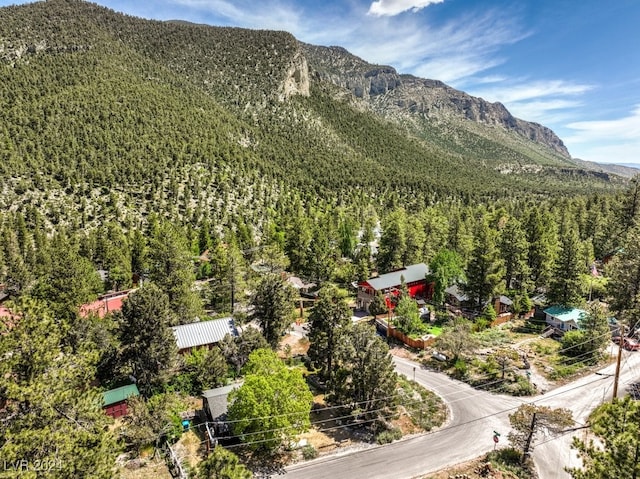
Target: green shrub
x=508 y=460
x=481 y=324
x=309 y=452
x=561 y=372
x=520 y=387
x=388 y=436
x=492 y=337
x=542 y=349
x=460 y=367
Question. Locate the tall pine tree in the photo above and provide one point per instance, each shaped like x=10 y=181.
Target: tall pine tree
x=327 y=323
x=484 y=271
x=147 y=342
x=52 y=415
x=565 y=287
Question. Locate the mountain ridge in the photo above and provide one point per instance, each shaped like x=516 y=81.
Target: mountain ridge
x=385 y=88
x=98 y=103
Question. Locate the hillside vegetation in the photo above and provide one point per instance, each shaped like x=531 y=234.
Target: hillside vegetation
x=100 y=111
x=202 y=166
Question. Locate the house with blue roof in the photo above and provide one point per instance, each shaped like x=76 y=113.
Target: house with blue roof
x=564 y=318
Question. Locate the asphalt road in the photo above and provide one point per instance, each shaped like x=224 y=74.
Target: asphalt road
x=551 y=455
x=468 y=433
x=473 y=416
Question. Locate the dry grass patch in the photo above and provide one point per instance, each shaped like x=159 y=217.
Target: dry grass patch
x=151 y=468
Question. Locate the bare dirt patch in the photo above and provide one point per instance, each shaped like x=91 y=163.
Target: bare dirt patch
x=403 y=352
x=406 y=425
x=293 y=345
x=328 y=432
x=190 y=448
x=145 y=468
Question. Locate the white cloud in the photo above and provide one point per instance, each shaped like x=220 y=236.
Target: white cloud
x=544 y=101
x=270 y=15
x=527 y=91
x=454 y=68
x=550 y=112
x=394 y=7
x=462 y=47
x=488 y=79
x=607 y=141
x=627 y=128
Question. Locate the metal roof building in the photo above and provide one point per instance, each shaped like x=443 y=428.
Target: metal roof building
x=114 y=401
x=411 y=274
x=203 y=333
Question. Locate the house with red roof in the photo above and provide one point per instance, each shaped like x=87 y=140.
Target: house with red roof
x=105 y=304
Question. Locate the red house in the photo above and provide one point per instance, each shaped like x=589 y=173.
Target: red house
x=107 y=303
x=415 y=278
x=115 y=401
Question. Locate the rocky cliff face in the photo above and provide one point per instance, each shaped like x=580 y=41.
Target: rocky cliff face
x=296 y=80
x=395 y=95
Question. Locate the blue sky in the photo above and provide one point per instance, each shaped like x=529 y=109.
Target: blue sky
x=572 y=65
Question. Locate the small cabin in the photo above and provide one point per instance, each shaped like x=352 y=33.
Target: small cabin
x=114 y=401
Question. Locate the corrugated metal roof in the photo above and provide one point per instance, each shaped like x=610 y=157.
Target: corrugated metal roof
x=415 y=272
x=203 y=332
x=119 y=394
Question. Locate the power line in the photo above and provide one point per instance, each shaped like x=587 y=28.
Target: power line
x=446 y=428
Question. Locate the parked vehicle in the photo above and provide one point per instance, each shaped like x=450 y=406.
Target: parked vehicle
x=631 y=344
x=438 y=356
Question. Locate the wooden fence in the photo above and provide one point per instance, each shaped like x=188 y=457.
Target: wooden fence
x=420 y=343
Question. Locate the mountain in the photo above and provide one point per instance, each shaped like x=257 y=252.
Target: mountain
x=626 y=170
x=104 y=115
x=395 y=95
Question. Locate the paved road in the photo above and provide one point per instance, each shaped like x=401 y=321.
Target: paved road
x=468 y=434
x=473 y=416
x=551 y=455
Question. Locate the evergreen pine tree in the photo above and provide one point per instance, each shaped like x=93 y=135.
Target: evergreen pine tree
x=484 y=271
x=565 y=287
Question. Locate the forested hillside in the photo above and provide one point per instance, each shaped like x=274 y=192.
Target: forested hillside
x=105 y=115
x=207 y=164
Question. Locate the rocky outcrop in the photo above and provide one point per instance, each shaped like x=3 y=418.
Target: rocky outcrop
x=296 y=80
x=338 y=66
x=394 y=94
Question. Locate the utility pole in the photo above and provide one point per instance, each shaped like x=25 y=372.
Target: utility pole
x=617 y=376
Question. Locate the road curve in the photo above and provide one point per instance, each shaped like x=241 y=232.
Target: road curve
x=473 y=416
x=553 y=454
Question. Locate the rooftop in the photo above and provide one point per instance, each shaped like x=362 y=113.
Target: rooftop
x=455 y=291
x=505 y=300
x=119 y=394
x=217 y=399
x=202 y=333
x=565 y=313
x=415 y=272
x=105 y=304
